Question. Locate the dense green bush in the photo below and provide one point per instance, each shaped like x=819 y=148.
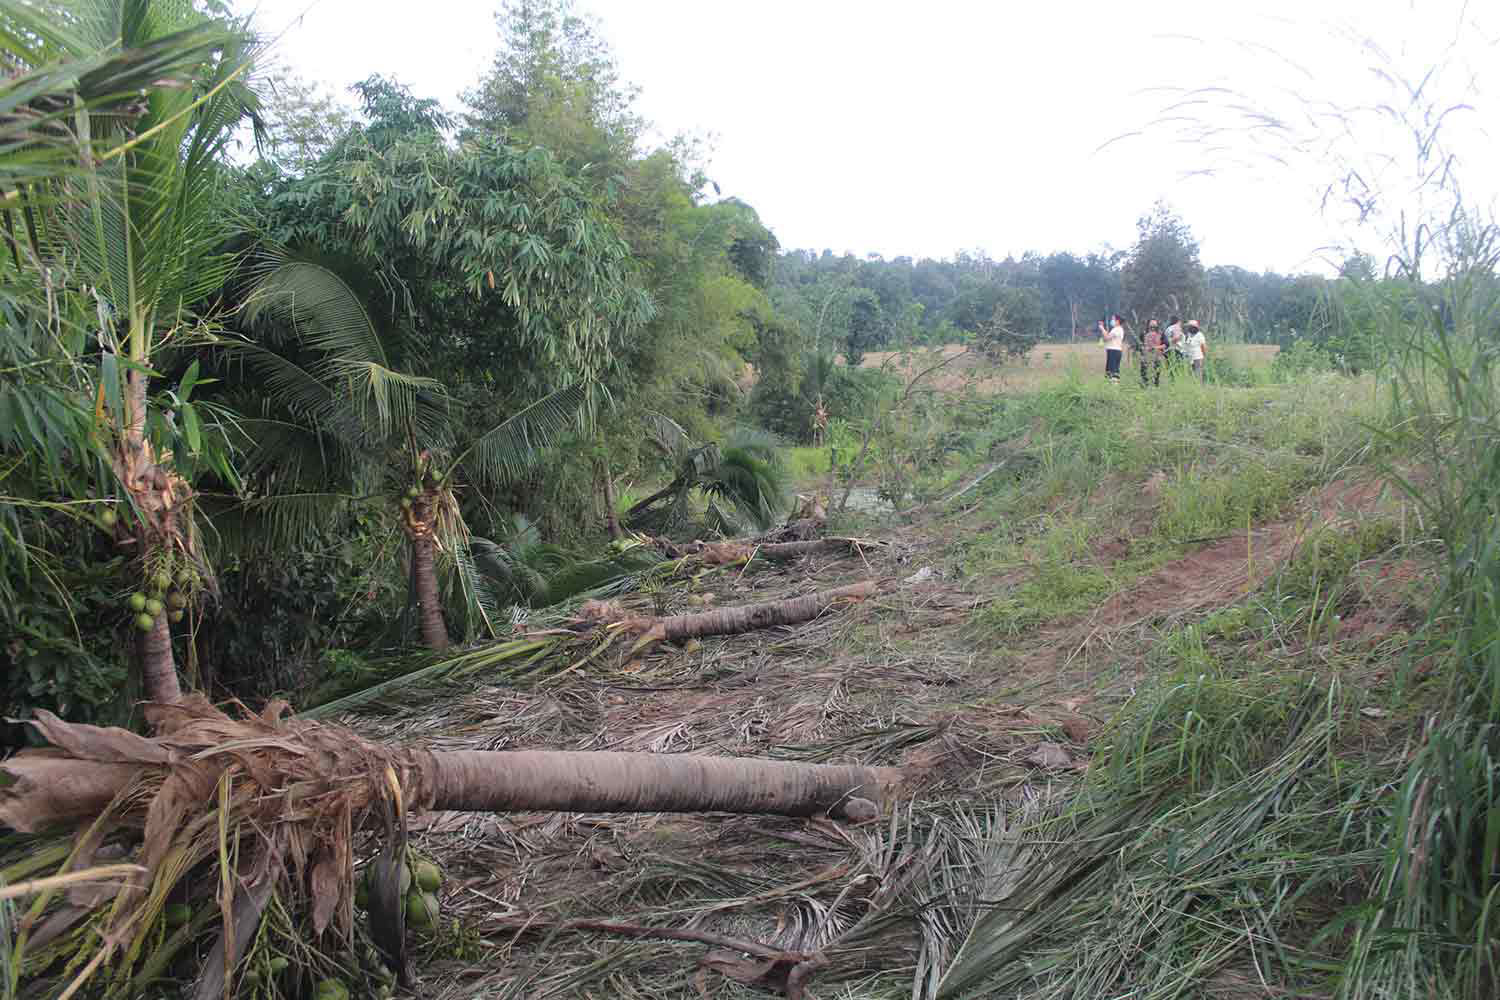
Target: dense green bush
x=278 y=612
x=69 y=635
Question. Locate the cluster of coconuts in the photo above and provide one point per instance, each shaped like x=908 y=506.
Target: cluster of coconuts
x=160 y=595
x=420 y=881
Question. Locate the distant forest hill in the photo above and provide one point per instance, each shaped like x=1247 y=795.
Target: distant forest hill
x=861 y=304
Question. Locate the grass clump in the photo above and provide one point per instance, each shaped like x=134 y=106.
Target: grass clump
x=1197 y=504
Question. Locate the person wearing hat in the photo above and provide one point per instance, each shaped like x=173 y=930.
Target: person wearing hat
x=1195 y=349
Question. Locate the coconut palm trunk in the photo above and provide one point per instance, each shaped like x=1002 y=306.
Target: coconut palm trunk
x=607 y=491
x=429 y=604
x=151 y=491
x=579 y=781
x=750 y=617
x=158 y=667
x=90 y=766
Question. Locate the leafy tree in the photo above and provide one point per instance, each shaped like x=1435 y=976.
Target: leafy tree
x=1015 y=326
x=778 y=354
x=302 y=122
x=752 y=247
x=1162 y=274
x=444 y=319
x=1077 y=291
x=554 y=82
x=500 y=260
x=867 y=326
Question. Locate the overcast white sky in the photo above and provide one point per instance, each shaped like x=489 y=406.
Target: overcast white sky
x=925 y=128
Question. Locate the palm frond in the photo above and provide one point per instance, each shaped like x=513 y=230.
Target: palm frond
x=481 y=611
x=429 y=669
x=591 y=576
x=508 y=573
x=755 y=485
x=62 y=64
x=353 y=373
x=503 y=453
x=668 y=434
x=278 y=521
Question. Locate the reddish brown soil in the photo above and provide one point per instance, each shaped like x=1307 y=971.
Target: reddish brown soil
x=1218 y=574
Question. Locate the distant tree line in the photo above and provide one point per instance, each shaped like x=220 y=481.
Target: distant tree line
x=851 y=305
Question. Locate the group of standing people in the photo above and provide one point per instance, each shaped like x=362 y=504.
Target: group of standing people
x=1179 y=343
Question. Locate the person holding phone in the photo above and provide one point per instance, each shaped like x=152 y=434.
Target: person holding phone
x=1113 y=339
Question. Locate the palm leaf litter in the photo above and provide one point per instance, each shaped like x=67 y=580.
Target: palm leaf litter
x=1211 y=848
x=229 y=818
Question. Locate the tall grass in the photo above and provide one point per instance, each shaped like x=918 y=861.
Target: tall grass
x=1433 y=927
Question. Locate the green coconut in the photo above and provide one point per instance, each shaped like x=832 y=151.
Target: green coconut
x=153 y=607
x=176 y=600
x=279 y=965
x=108 y=519
x=160 y=581
x=429 y=876
x=136 y=602
x=421 y=910
x=175 y=616
x=330 y=989
x=145 y=622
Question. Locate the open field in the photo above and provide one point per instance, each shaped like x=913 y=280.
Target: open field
x=1042 y=363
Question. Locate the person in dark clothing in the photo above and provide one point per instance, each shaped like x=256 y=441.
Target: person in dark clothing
x=1174 y=337
x=1153 y=346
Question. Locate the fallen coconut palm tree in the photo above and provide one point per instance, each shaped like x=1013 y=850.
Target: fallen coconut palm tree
x=578 y=641
x=738 y=551
x=227 y=813
x=750 y=617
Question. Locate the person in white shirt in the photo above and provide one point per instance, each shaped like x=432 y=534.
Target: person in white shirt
x=1195 y=348
x=1113 y=340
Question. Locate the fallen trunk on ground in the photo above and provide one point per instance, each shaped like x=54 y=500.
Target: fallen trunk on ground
x=749 y=617
x=286 y=796
x=737 y=551
x=606 y=781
